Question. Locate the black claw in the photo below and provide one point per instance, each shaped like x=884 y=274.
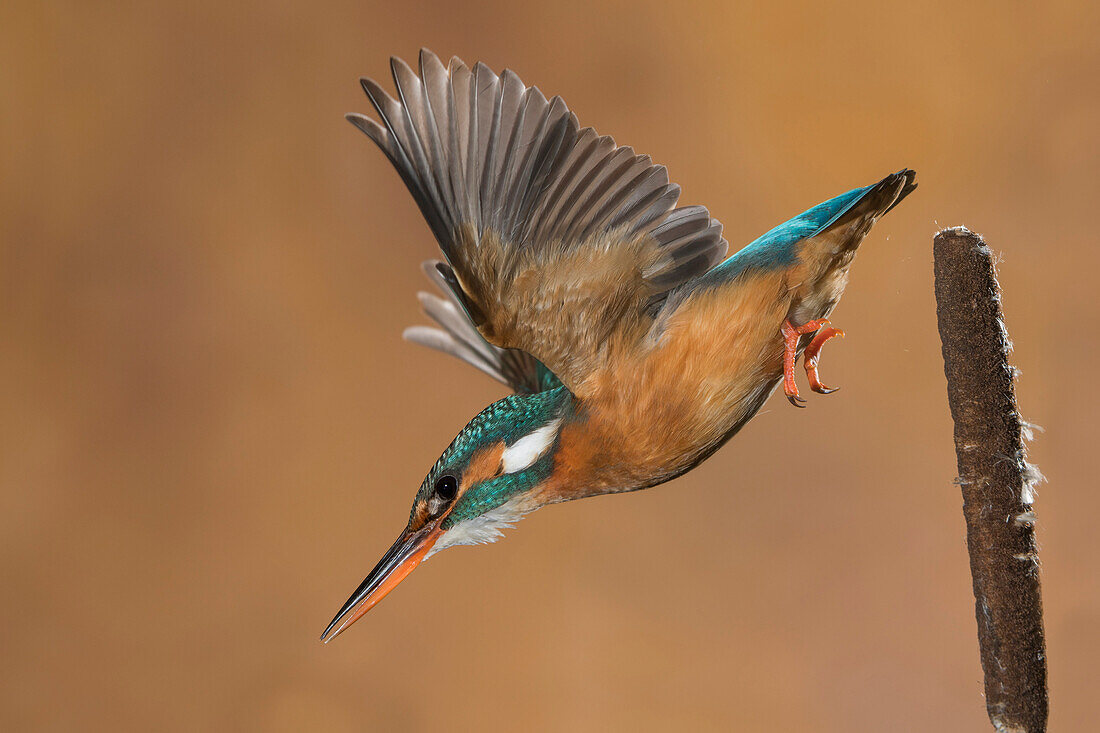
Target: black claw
x=795 y=399
x=826 y=390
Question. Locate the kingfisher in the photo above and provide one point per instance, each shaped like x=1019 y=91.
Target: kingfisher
x=633 y=345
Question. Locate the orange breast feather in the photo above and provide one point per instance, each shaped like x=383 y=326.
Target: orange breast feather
x=659 y=410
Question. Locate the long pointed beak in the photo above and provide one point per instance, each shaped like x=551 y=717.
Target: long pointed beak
x=400 y=560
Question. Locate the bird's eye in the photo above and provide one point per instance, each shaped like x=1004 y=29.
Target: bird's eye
x=446 y=488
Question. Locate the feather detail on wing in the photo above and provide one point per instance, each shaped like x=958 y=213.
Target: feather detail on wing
x=458 y=337
x=555 y=238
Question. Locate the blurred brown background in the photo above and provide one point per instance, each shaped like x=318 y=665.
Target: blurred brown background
x=211 y=428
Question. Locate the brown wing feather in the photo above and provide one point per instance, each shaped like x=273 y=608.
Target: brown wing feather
x=558 y=239
x=458 y=337
x=562 y=304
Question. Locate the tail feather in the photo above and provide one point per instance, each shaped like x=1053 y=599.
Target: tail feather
x=876 y=200
x=780 y=246
x=818 y=239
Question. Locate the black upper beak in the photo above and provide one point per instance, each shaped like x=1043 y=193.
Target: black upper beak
x=400 y=560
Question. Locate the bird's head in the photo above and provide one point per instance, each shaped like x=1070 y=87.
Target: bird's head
x=486 y=480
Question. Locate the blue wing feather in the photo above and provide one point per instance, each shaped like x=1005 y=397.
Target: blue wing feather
x=782 y=246
x=778 y=248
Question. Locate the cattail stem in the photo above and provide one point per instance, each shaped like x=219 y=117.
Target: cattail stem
x=996 y=482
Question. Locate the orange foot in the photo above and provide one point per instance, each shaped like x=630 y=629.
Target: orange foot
x=791 y=334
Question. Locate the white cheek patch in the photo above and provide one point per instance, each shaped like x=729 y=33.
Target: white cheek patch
x=525 y=451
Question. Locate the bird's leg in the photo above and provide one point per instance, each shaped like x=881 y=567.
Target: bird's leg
x=813 y=353
x=791 y=334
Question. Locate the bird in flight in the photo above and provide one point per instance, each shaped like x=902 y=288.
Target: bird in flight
x=633 y=345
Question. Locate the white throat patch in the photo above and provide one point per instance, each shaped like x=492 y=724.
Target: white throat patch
x=489 y=527
x=525 y=451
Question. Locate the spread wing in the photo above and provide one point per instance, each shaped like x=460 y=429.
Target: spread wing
x=457 y=336
x=558 y=243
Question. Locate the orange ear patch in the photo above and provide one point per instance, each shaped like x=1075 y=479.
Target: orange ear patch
x=420 y=515
x=484 y=465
